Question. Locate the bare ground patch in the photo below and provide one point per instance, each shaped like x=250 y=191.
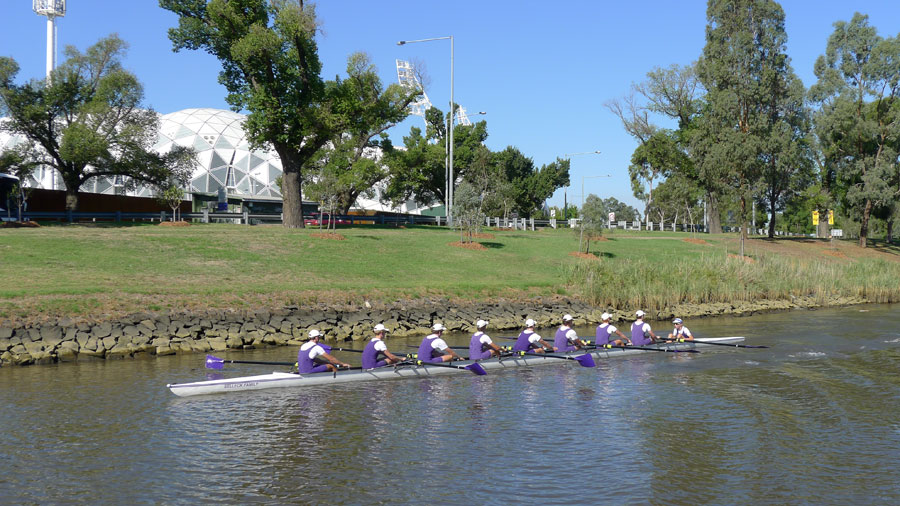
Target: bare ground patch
x=695 y=241
x=323 y=235
x=174 y=224
x=468 y=245
x=586 y=256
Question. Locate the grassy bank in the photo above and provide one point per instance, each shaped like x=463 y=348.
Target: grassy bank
x=90 y=271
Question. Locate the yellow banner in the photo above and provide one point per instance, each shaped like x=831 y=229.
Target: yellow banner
x=830 y=217
x=815 y=217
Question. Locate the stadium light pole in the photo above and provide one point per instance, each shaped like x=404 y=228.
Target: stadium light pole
x=565 y=191
x=452 y=113
x=581 y=235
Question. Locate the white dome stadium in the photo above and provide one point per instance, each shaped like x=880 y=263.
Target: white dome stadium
x=223 y=152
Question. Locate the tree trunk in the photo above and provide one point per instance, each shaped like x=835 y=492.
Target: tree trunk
x=889 y=238
x=293 y=202
x=822 y=228
x=864 y=224
x=771 y=218
x=71 y=194
x=712 y=210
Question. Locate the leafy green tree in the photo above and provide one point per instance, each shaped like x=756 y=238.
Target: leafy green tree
x=354 y=158
x=858 y=123
x=658 y=157
x=88 y=121
x=743 y=62
x=623 y=211
x=531 y=186
x=271 y=68
x=468 y=216
x=593 y=219
x=419 y=171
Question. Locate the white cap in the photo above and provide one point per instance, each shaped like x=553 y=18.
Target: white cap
x=381 y=328
x=639 y=313
x=314 y=333
x=437 y=327
x=481 y=323
x=676 y=321
x=605 y=316
x=568 y=318
x=530 y=323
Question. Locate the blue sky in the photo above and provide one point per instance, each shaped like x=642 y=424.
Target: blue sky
x=541 y=70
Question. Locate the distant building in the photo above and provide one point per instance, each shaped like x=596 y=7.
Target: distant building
x=224 y=160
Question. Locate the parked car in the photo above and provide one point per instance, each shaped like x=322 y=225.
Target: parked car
x=325 y=219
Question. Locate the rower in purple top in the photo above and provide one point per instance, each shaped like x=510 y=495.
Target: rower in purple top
x=434 y=349
x=566 y=338
x=376 y=349
x=313 y=357
x=641 y=333
x=529 y=340
x=481 y=346
x=605 y=331
x=680 y=331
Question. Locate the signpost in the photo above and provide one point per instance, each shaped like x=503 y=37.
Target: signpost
x=815 y=217
x=612 y=218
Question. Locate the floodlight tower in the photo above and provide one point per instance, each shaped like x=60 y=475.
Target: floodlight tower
x=52 y=9
x=406 y=75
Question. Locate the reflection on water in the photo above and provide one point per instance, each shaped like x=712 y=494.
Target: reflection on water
x=810 y=420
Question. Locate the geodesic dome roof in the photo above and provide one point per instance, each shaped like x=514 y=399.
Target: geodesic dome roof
x=223 y=152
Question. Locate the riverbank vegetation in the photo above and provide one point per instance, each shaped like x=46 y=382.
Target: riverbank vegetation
x=99 y=271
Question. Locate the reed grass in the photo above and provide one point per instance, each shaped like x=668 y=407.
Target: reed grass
x=639 y=282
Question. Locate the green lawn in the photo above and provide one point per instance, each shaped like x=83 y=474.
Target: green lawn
x=89 y=270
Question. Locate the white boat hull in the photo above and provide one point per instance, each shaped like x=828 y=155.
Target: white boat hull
x=291 y=380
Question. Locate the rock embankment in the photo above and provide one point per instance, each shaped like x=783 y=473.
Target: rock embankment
x=66 y=340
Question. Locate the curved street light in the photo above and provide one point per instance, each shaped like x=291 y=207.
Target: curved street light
x=450 y=184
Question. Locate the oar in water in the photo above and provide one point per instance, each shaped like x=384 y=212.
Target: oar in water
x=475 y=367
x=585 y=360
x=629 y=347
x=219 y=363
x=700 y=341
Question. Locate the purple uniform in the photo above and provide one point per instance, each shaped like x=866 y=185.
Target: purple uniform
x=524 y=342
x=478 y=350
x=427 y=353
x=307 y=364
x=604 y=333
x=371 y=353
x=637 y=335
x=561 y=340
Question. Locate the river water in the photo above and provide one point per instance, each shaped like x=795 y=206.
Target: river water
x=811 y=420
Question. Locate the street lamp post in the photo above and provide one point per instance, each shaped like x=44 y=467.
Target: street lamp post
x=565 y=191
x=450 y=164
x=581 y=235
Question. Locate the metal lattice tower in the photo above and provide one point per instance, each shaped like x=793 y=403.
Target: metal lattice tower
x=406 y=75
x=52 y=9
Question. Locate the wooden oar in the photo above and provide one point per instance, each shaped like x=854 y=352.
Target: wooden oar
x=585 y=360
x=475 y=367
x=628 y=347
x=680 y=340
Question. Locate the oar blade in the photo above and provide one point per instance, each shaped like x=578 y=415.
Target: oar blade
x=585 y=360
x=214 y=362
x=476 y=368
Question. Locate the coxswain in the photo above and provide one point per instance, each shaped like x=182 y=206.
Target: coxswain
x=531 y=341
x=606 y=330
x=434 y=349
x=376 y=349
x=680 y=331
x=641 y=333
x=481 y=346
x=566 y=338
x=313 y=357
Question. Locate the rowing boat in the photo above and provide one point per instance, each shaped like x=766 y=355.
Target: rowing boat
x=291 y=380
